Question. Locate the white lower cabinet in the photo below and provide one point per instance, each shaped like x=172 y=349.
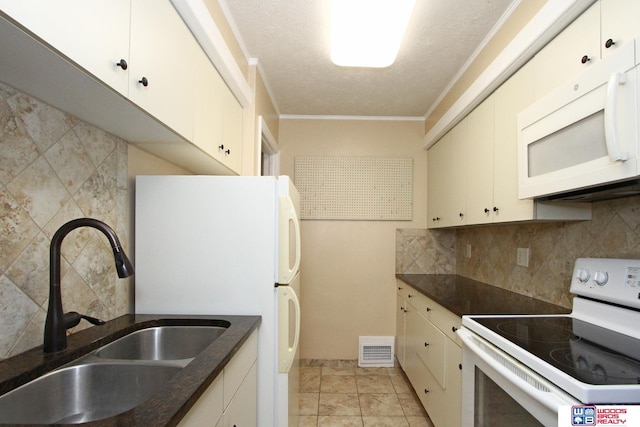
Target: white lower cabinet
x=232 y=399
x=432 y=355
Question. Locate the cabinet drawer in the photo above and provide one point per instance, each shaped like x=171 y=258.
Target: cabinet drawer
x=404 y=290
x=420 y=303
x=431 y=350
x=430 y=394
x=238 y=367
x=447 y=322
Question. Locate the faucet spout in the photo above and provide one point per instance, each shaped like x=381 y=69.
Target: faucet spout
x=55 y=329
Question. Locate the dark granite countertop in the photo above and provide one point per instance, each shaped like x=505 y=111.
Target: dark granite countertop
x=463 y=296
x=169 y=405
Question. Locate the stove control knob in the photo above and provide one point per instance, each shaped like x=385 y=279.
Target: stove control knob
x=601 y=278
x=583 y=275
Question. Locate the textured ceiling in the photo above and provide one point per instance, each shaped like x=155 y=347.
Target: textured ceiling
x=290 y=40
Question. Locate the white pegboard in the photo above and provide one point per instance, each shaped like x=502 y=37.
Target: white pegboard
x=355 y=188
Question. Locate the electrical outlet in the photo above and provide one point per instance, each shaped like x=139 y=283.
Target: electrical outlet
x=468 y=250
x=522 y=257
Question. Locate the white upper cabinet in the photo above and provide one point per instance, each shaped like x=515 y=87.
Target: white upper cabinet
x=446 y=179
x=163 y=64
x=131 y=67
x=474 y=169
x=480 y=164
x=606 y=25
x=620 y=23
x=94 y=34
x=509 y=99
x=577 y=47
x=218 y=116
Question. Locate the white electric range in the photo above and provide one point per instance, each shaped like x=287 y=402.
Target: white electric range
x=518 y=370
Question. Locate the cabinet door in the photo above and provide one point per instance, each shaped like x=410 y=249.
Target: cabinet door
x=480 y=163
x=431 y=350
x=453 y=392
x=619 y=22
x=512 y=97
x=93 y=34
x=243 y=409
x=561 y=59
x=456 y=189
x=208 y=115
x=166 y=61
x=400 y=329
x=232 y=130
x=437 y=164
x=208 y=408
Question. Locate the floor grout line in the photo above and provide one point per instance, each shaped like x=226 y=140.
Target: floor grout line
x=345 y=401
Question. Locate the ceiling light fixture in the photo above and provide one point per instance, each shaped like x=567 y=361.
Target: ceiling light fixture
x=368 y=33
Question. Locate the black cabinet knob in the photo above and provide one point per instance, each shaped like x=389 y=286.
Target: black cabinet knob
x=221 y=147
x=122 y=64
x=426 y=391
x=460 y=366
x=453 y=328
x=495 y=209
x=144 y=81
x=486 y=210
x=461 y=214
x=585 y=59
x=609 y=43
x=428 y=308
x=426 y=344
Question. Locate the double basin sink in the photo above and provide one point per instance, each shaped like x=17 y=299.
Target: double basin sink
x=110 y=380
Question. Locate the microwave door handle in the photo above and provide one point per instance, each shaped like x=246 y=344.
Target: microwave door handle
x=610 y=131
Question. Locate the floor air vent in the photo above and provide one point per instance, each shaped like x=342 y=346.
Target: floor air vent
x=376 y=352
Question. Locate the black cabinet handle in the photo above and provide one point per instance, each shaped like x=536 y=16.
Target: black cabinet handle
x=460 y=366
x=428 y=308
x=585 y=59
x=221 y=147
x=122 y=64
x=227 y=152
x=453 y=328
x=495 y=209
x=426 y=344
x=486 y=210
x=144 y=81
x=461 y=214
x=426 y=391
x=436 y=218
x=609 y=43
x=409 y=295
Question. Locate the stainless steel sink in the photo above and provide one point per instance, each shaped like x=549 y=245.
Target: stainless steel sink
x=83 y=393
x=162 y=343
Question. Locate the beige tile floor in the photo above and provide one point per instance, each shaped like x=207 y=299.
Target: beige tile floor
x=335 y=394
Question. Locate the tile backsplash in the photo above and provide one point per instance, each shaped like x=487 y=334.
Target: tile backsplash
x=54 y=168
x=614 y=232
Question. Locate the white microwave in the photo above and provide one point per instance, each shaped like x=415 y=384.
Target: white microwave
x=583 y=135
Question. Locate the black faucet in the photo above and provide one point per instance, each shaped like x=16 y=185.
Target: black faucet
x=57 y=323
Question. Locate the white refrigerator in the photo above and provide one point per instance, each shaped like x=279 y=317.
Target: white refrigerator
x=227 y=245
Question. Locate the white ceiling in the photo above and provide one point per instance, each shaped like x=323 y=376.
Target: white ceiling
x=290 y=40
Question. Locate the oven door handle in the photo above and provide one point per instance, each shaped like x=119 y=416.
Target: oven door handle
x=552 y=399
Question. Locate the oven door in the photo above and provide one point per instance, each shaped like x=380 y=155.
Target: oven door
x=497 y=390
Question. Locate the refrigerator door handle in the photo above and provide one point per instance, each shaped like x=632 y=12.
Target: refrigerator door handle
x=288 y=214
x=287 y=353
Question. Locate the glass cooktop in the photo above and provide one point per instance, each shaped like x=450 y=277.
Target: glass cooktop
x=587 y=352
